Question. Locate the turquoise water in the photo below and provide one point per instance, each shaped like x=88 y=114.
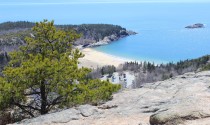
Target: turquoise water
x=161 y=34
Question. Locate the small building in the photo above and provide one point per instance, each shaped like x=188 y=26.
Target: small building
x=126 y=79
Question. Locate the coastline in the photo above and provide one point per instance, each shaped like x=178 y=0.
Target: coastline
x=107 y=40
x=94 y=59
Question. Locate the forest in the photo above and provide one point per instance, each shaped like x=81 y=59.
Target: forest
x=13 y=33
x=147 y=72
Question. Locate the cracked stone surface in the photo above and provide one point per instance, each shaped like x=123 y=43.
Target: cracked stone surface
x=182 y=100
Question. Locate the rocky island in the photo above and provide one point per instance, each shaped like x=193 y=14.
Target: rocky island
x=197 y=25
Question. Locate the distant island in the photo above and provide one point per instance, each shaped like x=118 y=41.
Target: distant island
x=197 y=25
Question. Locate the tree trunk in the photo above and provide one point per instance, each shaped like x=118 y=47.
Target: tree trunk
x=43 y=99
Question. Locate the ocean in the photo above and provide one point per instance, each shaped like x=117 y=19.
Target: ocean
x=161 y=37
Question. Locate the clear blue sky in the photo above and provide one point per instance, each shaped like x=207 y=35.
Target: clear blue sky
x=95 y=1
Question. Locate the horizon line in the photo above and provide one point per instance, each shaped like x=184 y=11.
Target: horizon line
x=103 y=2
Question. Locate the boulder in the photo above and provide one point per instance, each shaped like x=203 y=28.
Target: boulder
x=189 y=102
x=88 y=110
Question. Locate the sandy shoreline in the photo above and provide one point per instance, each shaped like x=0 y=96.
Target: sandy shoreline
x=94 y=59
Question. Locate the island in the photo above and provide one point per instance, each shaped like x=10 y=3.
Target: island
x=197 y=25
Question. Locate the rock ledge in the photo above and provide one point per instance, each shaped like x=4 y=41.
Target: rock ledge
x=182 y=100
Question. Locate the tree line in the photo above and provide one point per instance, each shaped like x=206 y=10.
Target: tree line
x=13 y=33
x=148 y=72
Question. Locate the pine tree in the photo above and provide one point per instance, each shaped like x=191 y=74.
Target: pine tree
x=44 y=73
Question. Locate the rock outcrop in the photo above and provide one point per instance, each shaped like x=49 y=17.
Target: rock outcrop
x=182 y=100
x=4 y=59
x=111 y=38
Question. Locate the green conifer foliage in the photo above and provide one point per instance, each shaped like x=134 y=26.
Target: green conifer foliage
x=44 y=73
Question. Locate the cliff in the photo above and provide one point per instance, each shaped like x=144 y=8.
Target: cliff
x=182 y=100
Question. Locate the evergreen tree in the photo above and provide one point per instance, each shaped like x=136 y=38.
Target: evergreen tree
x=44 y=73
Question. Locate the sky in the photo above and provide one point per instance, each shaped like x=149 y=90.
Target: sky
x=11 y=2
